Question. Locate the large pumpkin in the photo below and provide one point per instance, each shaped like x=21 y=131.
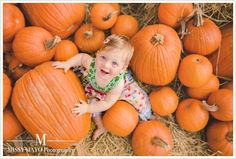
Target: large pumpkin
x=222 y=99
x=152 y=138
x=163 y=101
x=194 y=71
x=157 y=50
x=11 y=126
x=42 y=101
x=223 y=65
x=34 y=45
x=88 y=38
x=6 y=90
x=115 y=117
x=171 y=14
x=191 y=115
x=204 y=91
x=61 y=19
x=13 y=21
x=220 y=137
x=203 y=35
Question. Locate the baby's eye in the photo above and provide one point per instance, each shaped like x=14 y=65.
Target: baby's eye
x=103 y=57
x=114 y=63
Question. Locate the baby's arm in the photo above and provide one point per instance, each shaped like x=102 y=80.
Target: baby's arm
x=80 y=59
x=99 y=106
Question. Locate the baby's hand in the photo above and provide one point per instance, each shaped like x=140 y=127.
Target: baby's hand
x=80 y=108
x=63 y=65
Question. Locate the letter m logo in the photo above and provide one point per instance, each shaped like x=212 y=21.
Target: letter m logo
x=42 y=140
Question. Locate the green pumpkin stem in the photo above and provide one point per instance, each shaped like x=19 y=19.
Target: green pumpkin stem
x=49 y=44
x=156 y=141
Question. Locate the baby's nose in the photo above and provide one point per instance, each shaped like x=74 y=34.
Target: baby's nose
x=107 y=64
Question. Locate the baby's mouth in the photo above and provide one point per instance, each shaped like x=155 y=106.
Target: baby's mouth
x=105 y=72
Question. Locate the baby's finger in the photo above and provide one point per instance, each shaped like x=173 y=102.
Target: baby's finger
x=81 y=101
x=78 y=115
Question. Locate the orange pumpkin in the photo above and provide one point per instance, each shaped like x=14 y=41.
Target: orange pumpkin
x=157 y=50
x=103 y=15
x=6 y=90
x=228 y=85
x=11 y=126
x=61 y=19
x=88 y=38
x=223 y=101
x=203 y=36
x=191 y=115
x=42 y=100
x=163 y=101
x=172 y=13
x=116 y=6
x=34 y=45
x=220 y=137
x=224 y=65
x=152 y=138
x=65 y=50
x=13 y=21
x=125 y=25
x=204 y=91
x=194 y=71
x=113 y=121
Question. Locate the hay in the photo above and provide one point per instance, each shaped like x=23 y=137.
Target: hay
x=185 y=143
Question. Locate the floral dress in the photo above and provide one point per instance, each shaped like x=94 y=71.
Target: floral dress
x=131 y=93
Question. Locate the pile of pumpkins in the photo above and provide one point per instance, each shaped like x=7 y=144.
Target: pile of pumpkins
x=41 y=96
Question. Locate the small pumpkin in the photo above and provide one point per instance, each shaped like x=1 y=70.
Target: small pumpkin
x=125 y=25
x=152 y=138
x=204 y=91
x=103 y=15
x=61 y=19
x=156 y=57
x=13 y=21
x=42 y=100
x=65 y=50
x=222 y=60
x=116 y=6
x=34 y=45
x=88 y=38
x=220 y=137
x=191 y=115
x=11 y=126
x=164 y=101
x=115 y=117
x=7 y=88
x=194 y=71
x=220 y=104
x=228 y=85
x=171 y=14
x=203 y=37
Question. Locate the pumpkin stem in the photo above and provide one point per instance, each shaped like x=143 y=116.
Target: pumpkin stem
x=89 y=33
x=157 y=39
x=198 y=19
x=156 y=141
x=211 y=108
x=110 y=15
x=229 y=136
x=49 y=44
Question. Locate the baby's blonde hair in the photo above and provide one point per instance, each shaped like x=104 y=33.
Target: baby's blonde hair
x=119 y=42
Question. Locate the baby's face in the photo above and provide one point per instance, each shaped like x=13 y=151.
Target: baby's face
x=109 y=63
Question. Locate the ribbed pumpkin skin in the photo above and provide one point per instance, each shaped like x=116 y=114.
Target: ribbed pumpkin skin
x=172 y=13
x=217 y=137
x=194 y=71
x=42 y=100
x=13 y=21
x=152 y=62
x=223 y=98
x=6 y=90
x=143 y=139
x=203 y=39
x=120 y=119
x=61 y=19
x=88 y=38
x=163 y=101
x=204 y=91
x=28 y=46
x=65 y=50
x=225 y=63
x=125 y=25
x=11 y=126
x=191 y=115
